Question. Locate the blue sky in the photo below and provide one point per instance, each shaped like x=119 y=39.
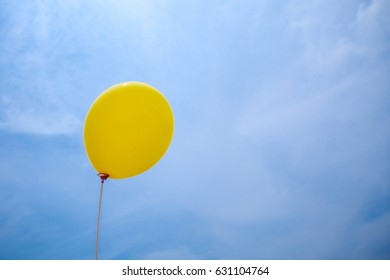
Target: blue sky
x=282 y=129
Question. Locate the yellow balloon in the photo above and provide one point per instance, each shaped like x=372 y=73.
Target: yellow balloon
x=128 y=129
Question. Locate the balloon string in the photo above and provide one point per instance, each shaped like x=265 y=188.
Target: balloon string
x=98 y=222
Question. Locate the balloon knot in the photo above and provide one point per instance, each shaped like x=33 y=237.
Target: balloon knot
x=103 y=176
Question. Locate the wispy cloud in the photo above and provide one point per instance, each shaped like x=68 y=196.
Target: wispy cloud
x=35 y=85
x=45 y=84
x=331 y=42
x=42 y=123
x=282 y=127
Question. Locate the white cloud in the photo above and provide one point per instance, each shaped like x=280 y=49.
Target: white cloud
x=329 y=44
x=44 y=123
x=279 y=174
x=33 y=93
x=337 y=56
x=48 y=55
